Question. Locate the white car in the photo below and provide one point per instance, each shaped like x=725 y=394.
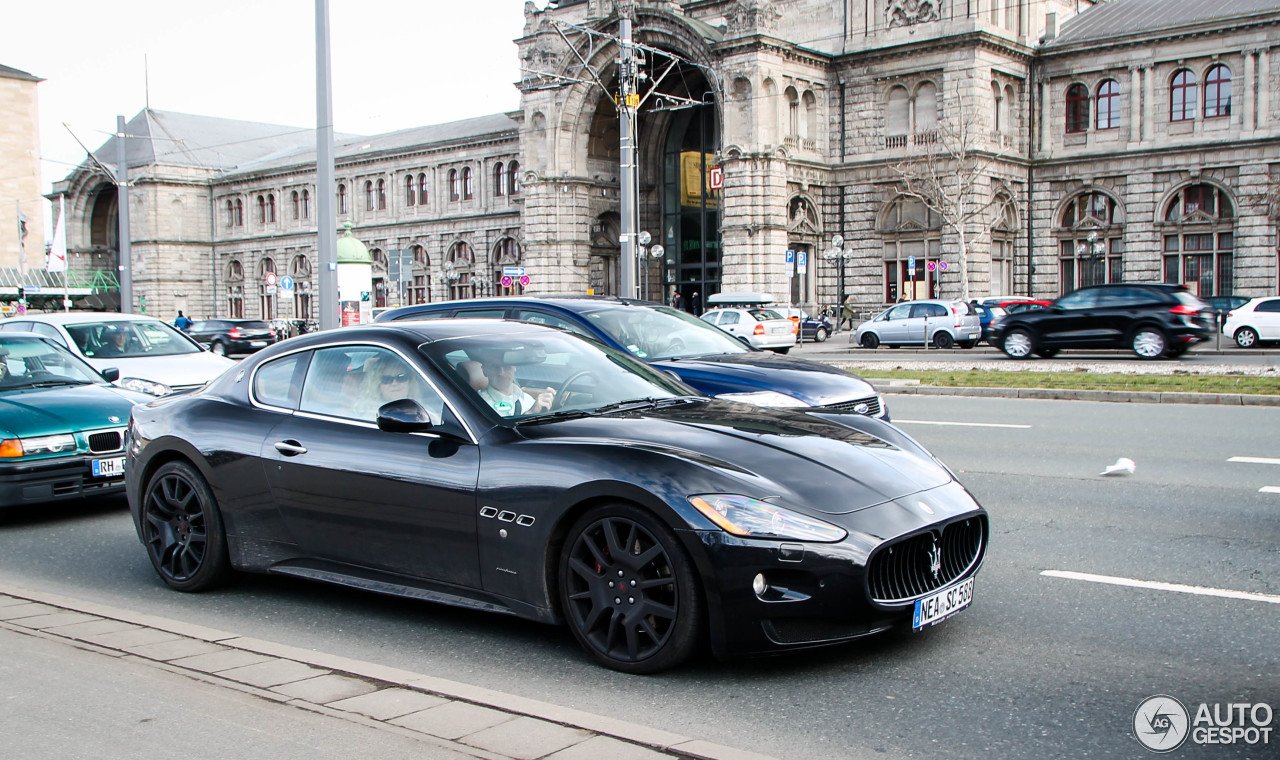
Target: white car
x=762 y=328
x=153 y=356
x=1256 y=322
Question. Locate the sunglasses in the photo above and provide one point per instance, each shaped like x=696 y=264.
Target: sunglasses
x=403 y=377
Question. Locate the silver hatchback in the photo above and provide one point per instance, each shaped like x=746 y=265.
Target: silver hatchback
x=941 y=323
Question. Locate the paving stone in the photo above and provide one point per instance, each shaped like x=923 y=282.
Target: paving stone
x=42 y=622
x=173 y=650
x=9 y=601
x=325 y=689
x=94 y=627
x=272 y=673
x=603 y=746
x=453 y=720
x=526 y=738
x=16 y=612
x=389 y=703
x=130 y=638
x=219 y=661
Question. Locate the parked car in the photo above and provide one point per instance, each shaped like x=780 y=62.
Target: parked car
x=1151 y=319
x=233 y=336
x=759 y=327
x=1004 y=300
x=937 y=322
x=698 y=353
x=1254 y=322
x=646 y=516
x=987 y=314
x=152 y=356
x=62 y=424
x=1030 y=304
x=812 y=329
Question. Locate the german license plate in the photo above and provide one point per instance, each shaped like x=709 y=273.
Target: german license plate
x=257 y=343
x=108 y=468
x=935 y=608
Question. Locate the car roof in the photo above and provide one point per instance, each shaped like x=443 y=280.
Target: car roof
x=572 y=303
x=428 y=330
x=77 y=317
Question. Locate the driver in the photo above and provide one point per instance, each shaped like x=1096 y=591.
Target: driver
x=502 y=393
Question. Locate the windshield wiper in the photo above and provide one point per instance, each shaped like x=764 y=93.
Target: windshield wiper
x=563 y=414
x=51 y=383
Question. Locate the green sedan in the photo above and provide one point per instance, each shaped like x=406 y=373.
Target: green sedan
x=61 y=424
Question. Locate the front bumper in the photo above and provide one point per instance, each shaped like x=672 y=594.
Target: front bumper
x=50 y=480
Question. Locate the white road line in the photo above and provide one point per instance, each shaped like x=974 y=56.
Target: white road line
x=1269 y=489
x=960 y=424
x=1252 y=460
x=1198 y=590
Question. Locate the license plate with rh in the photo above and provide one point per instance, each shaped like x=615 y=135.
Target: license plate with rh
x=108 y=468
x=935 y=608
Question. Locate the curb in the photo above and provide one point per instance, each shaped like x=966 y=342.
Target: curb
x=345 y=688
x=1139 y=397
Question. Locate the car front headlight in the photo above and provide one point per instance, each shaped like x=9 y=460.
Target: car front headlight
x=764 y=398
x=46 y=444
x=144 y=386
x=753 y=518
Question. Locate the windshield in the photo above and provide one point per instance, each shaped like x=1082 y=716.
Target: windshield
x=653 y=333
x=37 y=363
x=130 y=339
x=523 y=376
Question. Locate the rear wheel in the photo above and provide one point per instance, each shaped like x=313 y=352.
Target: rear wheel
x=629 y=591
x=943 y=339
x=182 y=529
x=1149 y=343
x=1046 y=353
x=1246 y=337
x=1017 y=344
x=870 y=340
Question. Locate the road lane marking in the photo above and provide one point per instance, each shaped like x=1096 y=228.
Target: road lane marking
x=960 y=424
x=1254 y=460
x=1198 y=590
x=1269 y=489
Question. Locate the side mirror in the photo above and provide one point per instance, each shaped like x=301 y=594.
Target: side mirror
x=403 y=416
x=110 y=374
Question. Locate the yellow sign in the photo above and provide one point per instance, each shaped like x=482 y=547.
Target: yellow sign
x=691 y=180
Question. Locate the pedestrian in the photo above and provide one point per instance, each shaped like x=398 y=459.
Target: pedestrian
x=696 y=304
x=182 y=322
x=677 y=301
x=846 y=312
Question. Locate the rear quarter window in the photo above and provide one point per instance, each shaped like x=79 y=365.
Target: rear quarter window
x=1270 y=306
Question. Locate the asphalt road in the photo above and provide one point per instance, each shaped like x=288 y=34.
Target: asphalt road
x=1040 y=665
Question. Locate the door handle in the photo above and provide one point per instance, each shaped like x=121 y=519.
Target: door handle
x=290 y=448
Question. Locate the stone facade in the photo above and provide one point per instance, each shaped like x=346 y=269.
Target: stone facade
x=1004 y=147
x=20 y=169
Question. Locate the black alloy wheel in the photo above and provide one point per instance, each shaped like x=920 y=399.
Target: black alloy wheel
x=943 y=339
x=1246 y=337
x=629 y=590
x=182 y=529
x=870 y=340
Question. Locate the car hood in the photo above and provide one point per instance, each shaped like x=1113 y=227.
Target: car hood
x=180 y=371
x=45 y=411
x=804 y=460
x=815 y=383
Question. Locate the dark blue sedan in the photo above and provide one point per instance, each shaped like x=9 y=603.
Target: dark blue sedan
x=702 y=355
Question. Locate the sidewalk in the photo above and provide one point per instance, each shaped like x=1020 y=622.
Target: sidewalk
x=85 y=680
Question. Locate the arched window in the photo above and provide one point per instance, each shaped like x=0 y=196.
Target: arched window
x=382 y=195
x=925 y=112
x=459 y=267
x=410 y=191
x=295 y=201
x=235 y=289
x=266 y=298
x=513 y=177
x=262 y=209
x=342 y=199
x=793 y=112
x=809 y=127
x=467 y=186
x=235 y=271
x=306 y=204
x=239 y=213
x=231 y=213
x=271 y=208
x=368 y=195
x=998 y=107
x=422 y=189
x=1077 y=108
x=499 y=179
x=420 y=290
x=1182 y=96
x=1003 y=235
x=506 y=254
x=1108 y=104
x=897 y=123
x=1090 y=242
x=910 y=228
x=1217 y=92
x=300 y=270
x=455 y=191
x=740 y=96
x=1199 y=240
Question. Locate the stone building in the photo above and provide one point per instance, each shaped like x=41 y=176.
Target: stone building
x=959 y=148
x=20 y=171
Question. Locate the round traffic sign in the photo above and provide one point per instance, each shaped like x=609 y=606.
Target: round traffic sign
x=524 y=279
x=270 y=278
x=286 y=283
x=931 y=265
x=942 y=265
x=506 y=281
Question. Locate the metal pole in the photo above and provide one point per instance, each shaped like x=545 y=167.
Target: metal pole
x=326 y=219
x=122 y=204
x=628 y=100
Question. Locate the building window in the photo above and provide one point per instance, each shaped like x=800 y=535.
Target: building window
x=1077 y=108
x=1090 y=242
x=793 y=112
x=266 y=298
x=1182 y=96
x=1108 y=104
x=239 y=213
x=909 y=228
x=467 y=189
x=271 y=208
x=513 y=178
x=499 y=179
x=382 y=195
x=295 y=201
x=306 y=204
x=1217 y=92
x=1002 y=245
x=1199 y=240
x=914 y=116
x=422 y=189
x=507 y=254
x=368 y=195
x=300 y=270
x=455 y=192
x=459 y=266
x=235 y=289
x=420 y=290
x=410 y=191
x=262 y=209
x=231 y=214
x=342 y=199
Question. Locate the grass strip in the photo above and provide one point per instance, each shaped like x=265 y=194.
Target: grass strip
x=1081 y=380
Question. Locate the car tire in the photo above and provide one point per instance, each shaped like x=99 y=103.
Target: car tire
x=1018 y=344
x=1046 y=353
x=782 y=350
x=967 y=344
x=1148 y=343
x=657 y=623
x=1246 y=337
x=820 y=335
x=870 y=340
x=943 y=339
x=218 y=348
x=182 y=529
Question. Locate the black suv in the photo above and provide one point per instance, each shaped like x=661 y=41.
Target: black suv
x=233 y=336
x=1152 y=320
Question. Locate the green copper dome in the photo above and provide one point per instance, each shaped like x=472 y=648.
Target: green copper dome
x=351 y=250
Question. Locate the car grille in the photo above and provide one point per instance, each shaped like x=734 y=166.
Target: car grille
x=107 y=440
x=903 y=570
x=872 y=402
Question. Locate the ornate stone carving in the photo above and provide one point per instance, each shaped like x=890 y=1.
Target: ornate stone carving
x=910 y=12
x=752 y=17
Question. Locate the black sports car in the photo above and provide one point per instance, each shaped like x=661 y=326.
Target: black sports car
x=521 y=469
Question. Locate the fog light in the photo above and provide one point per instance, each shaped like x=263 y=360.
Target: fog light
x=759 y=585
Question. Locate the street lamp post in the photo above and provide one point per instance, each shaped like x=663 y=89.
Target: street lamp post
x=838 y=255
x=657 y=252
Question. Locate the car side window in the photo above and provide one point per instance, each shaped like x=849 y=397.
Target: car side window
x=1272 y=305
x=712 y=316
x=1081 y=299
x=15 y=326
x=440 y=314
x=901 y=311
x=543 y=318
x=278 y=382
x=729 y=318
x=353 y=382
x=48 y=331
x=482 y=314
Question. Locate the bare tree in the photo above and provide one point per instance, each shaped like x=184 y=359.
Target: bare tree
x=952 y=178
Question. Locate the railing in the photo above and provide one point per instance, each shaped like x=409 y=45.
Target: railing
x=895 y=141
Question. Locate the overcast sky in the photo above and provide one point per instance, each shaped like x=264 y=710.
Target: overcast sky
x=396 y=63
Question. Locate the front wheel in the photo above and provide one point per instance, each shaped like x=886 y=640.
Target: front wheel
x=870 y=340
x=629 y=591
x=182 y=529
x=821 y=334
x=1246 y=337
x=1017 y=344
x=1149 y=343
x=218 y=348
